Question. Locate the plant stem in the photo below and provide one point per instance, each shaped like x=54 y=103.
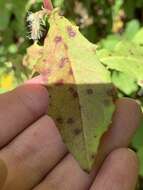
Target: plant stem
x=48 y=4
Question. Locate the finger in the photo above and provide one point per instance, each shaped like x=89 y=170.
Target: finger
x=125 y=122
x=19 y=108
x=32 y=154
x=119 y=171
x=66 y=176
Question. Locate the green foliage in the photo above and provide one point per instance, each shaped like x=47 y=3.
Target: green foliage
x=123 y=56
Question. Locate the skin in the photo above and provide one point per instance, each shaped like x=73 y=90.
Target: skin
x=33 y=156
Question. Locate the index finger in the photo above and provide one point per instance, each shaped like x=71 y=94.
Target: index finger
x=20 y=108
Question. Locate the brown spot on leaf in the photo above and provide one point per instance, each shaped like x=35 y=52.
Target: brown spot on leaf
x=59 y=120
x=66 y=46
x=71 y=89
x=45 y=60
x=71 y=72
x=73 y=92
x=71 y=32
x=77 y=131
x=93 y=156
x=70 y=120
x=63 y=61
x=58 y=39
x=89 y=91
x=111 y=91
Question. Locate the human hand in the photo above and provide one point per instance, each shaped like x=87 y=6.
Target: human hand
x=33 y=156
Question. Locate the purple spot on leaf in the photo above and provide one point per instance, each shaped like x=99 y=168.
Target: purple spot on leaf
x=58 y=39
x=71 y=32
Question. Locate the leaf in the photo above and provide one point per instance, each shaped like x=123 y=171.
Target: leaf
x=5 y=12
x=58 y=3
x=124 y=83
x=131 y=29
x=138 y=38
x=110 y=42
x=19 y=10
x=137 y=140
x=80 y=89
x=33 y=54
x=140 y=156
x=127 y=58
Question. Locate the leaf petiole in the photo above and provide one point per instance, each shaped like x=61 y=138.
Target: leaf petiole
x=48 y=5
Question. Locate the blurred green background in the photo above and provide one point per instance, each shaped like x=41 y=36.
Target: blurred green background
x=115 y=25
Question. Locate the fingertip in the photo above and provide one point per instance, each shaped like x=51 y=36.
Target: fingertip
x=128 y=113
x=119 y=171
x=127 y=156
x=129 y=104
